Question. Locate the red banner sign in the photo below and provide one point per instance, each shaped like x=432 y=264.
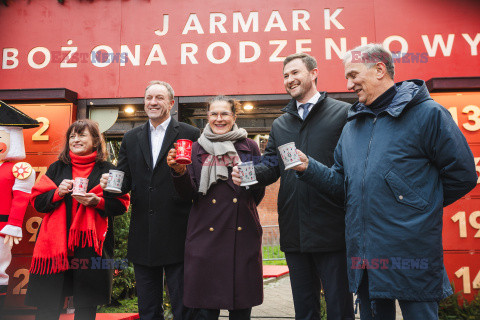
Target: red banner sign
x=113 y=48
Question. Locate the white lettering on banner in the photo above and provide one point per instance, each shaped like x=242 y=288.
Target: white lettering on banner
x=193 y=24
x=332 y=19
x=71 y=51
x=274 y=57
x=438 y=41
x=46 y=60
x=401 y=40
x=251 y=21
x=164 y=30
x=9 y=58
x=184 y=54
x=473 y=43
x=275 y=21
x=249 y=49
x=243 y=54
x=125 y=52
x=217 y=24
x=299 y=45
x=297 y=21
x=330 y=44
x=156 y=54
x=97 y=55
x=226 y=55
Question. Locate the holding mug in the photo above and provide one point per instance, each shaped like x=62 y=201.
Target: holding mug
x=79 y=186
x=184 y=151
x=289 y=155
x=247 y=173
x=115 y=181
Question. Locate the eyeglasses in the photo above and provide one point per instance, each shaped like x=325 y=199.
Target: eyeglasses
x=223 y=115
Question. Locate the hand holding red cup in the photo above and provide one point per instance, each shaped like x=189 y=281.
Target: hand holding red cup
x=184 y=151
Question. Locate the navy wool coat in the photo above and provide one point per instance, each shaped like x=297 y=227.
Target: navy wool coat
x=223 y=258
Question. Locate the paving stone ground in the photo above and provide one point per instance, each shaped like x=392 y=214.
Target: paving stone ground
x=278 y=302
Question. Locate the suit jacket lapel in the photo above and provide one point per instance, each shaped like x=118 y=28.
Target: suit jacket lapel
x=170 y=136
x=144 y=142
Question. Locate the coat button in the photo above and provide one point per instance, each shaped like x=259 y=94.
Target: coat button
x=214 y=201
x=150 y=211
x=150 y=188
x=235 y=200
x=239 y=228
x=400 y=197
x=211 y=229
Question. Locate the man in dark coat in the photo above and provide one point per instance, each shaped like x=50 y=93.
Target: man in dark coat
x=312 y=227
x=401 y=158
x=158 y=225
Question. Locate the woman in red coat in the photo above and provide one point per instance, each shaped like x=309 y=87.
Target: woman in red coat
x=76 y=234
x=223 y=258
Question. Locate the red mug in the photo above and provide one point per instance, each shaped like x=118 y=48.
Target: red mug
x=184 y=151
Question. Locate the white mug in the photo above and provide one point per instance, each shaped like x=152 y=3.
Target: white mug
x=115 y=180
x=289 y=155
x=247 y=173
x=79 y=186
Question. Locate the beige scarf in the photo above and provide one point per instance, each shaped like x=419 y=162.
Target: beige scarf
x=222 y=154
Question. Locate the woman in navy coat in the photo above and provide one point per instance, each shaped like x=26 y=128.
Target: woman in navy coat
x=223 y=258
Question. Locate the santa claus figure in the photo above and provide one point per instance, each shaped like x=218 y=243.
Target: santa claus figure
x=16 y=182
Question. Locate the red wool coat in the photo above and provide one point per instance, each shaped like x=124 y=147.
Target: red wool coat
x=223 y=257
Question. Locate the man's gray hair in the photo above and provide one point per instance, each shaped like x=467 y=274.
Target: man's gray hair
x=369 y=55
x=162 y=83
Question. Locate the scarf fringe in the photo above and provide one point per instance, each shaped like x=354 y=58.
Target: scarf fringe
x=82 y=239
x=55 y=264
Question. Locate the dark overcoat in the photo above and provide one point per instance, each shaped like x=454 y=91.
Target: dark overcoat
x=159 y=216
x=89 y=285
x=223 y=258
x=309 y=220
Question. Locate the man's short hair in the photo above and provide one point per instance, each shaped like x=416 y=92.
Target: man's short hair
x=369 y=55
x=162 y=83
x=307 y=59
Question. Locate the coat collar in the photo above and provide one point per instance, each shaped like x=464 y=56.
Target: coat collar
x=240 y=145
x=95 y=175
x=144 y=141
x=170 y=135
x=409 y=93
x=291 y=107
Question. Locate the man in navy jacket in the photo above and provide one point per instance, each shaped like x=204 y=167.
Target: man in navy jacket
x=400 y=159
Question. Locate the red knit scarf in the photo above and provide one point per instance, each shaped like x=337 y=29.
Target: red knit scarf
x=88 y=228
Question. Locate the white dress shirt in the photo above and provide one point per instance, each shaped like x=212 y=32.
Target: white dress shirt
x=313 y=100
x=156 y=137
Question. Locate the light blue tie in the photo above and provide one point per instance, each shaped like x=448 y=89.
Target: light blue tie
x=306 y=109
